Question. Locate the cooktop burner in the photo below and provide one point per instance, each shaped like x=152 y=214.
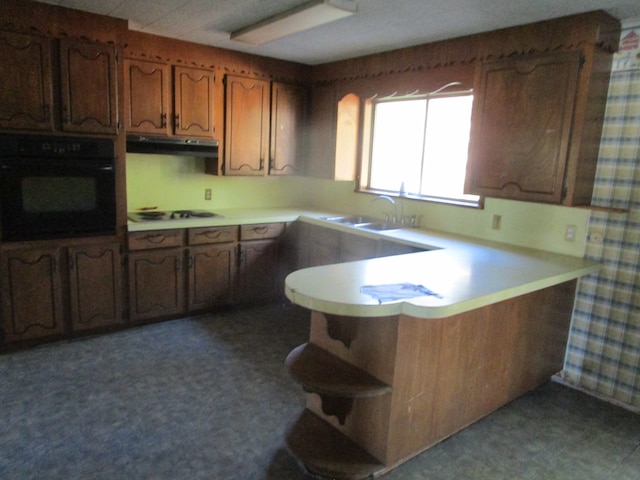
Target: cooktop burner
x=153 y=215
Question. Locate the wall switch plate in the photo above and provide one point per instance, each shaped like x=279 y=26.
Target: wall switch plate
x=207 y=194
x=496 y=223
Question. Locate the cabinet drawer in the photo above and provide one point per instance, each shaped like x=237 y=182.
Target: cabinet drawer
x=205 y=235
x=261 y=231
x=156 y=239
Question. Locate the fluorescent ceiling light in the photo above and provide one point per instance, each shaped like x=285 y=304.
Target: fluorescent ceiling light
x=304 y=17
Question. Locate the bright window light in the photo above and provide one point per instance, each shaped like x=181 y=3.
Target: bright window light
x=422 y=142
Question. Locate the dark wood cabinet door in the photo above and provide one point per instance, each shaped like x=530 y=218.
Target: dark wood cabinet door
x=193 y=102
x=521 y=127
x=355 y=247
x=88 y=85
x=147 y=96
x=95 y=286
x=211 y=275
x=322 y=140
x=25 y=86
x=259 y=275
x=156 y=283
x=246 y=126
x=31 y=294
x=288 y=119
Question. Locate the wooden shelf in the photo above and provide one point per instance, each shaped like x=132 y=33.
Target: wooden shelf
x=326 y=452
x=321 y=372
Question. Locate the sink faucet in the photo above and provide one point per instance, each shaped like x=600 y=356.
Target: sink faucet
x=392 y=202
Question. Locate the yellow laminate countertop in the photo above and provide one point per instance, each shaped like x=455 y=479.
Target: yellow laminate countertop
x=466 y=273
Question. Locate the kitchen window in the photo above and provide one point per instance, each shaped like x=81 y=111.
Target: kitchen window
x=418 y=146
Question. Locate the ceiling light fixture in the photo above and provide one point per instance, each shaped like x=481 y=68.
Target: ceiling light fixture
x=306 y=16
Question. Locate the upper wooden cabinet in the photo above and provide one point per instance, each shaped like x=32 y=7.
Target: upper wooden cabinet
x=149 y=87
x=246 y=145
x=88 y=87
x=335 y=124
x=536 y=127
x=25 y=67
x=288 y=121
x=263 y=127
x=87 y=100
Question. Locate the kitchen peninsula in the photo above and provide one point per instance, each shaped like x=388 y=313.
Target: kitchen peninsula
x=387 y=379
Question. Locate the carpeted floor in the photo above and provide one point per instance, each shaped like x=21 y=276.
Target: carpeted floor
x=208 y=398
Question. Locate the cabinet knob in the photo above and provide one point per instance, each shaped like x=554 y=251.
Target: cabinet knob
x=163 y=120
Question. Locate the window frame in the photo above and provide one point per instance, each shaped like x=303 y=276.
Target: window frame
x=365 y=158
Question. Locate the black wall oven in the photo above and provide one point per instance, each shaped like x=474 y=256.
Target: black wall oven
x=56 y=187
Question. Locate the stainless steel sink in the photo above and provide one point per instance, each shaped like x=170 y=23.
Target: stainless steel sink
x=351 y=219
x=366 y=223
x=378 y=226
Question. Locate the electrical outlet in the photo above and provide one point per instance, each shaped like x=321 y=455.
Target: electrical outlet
x=496 y=223
x=570 y=233
x=207 y=194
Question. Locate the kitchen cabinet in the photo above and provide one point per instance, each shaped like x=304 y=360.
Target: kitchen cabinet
x=334 y=127
x=246 y=146
x=536 y=126
x=263 y=124
x=259 y=274
x=156 y=274
x=318 y=246
x=324 y=246
x=288 y=120
x=211 y=267
x=32 y=298
x=25 y=67
x=95 y=283
x=356 y=247
x=150 y=86
x=88 y=87
x=87 y=98
x=40 y=284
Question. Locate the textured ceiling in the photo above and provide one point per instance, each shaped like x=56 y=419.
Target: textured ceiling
x=379 y=25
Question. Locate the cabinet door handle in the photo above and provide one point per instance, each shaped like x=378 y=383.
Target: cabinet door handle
x=177 y=120
x=178 y=265
x=213 y=233
x=155 y=238
x=261 y=230
x=262 y=164
x=65 y=115
x=163 y=120
x=190 y=262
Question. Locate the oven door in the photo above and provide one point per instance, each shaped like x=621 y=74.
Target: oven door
x=43 y=198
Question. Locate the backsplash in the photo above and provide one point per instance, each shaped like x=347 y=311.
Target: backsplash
x=171 y=182
x=603 y=354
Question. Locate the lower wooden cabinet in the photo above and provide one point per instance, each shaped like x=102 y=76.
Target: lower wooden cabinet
x=259 y=263
x=32 y=305
x=43 y=286
x=325 y=246
x=211 y=271
x=258 y=277
x=95 y=281
x=156 y=283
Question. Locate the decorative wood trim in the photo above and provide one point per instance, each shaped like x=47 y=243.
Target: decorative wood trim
x=594 y=30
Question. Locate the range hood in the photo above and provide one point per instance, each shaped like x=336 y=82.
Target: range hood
x=194 y=147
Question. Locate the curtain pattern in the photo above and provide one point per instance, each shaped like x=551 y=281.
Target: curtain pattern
x=603 y=354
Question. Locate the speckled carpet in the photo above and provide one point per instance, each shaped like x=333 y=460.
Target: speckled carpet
x=208 y=398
